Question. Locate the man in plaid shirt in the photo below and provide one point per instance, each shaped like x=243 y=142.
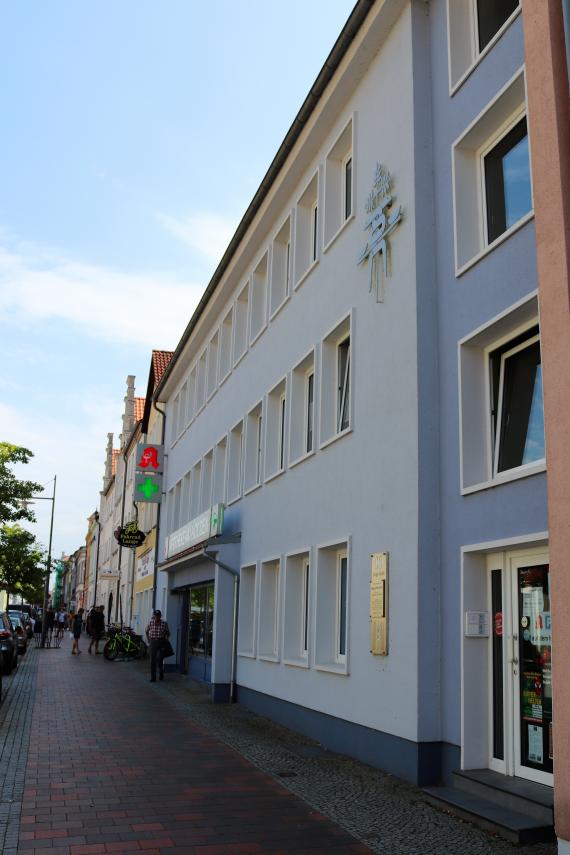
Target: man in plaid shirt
x=157 y=632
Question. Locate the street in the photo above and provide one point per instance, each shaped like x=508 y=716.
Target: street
x=97 y=760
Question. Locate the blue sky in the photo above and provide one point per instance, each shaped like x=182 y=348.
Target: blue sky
x=134 y=135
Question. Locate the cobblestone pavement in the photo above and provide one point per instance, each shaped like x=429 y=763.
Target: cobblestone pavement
x=116 y=765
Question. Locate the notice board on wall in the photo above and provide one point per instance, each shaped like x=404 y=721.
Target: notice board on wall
x=379 y=604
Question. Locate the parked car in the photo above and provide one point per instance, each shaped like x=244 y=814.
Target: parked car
x=24 y=619
x=8 y=644
x=20 y=626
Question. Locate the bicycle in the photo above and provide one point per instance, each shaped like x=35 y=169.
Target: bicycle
x=124 y=642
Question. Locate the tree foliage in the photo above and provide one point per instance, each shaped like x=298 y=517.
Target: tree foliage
x=13 y=491
x=22 y=564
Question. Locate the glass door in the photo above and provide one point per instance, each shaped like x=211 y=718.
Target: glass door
x=533 y=678
x=201 y=628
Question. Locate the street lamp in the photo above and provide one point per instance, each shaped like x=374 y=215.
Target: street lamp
x=46 y=586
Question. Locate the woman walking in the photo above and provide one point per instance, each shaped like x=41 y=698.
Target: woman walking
x=77 y=627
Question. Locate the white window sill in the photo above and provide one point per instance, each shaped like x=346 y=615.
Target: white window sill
x=339 y=668
x=455 y=87
x=258 y=334
x=268 y=657
x=338 y=232
x=459 y=271
x=224 y=378
x=233 y=501
x=506 y=477
x=334 y=438
x=275 y=475
x=246 y=654
x=239 y=358
x=279 y=307
x=301 y=458
x=252 y=489
x=302 y=278
x=296 y=663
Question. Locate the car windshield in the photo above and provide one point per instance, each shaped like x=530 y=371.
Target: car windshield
x=16 y=619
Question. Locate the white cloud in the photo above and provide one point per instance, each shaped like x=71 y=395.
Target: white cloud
x=209 y=233
x=39 y=284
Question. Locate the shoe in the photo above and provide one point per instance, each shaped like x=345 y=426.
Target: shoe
x=152 y=680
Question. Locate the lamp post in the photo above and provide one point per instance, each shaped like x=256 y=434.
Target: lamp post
x=48 y=567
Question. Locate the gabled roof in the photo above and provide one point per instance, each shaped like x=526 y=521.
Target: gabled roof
x=139 y=409
x=159 y=363
x=116 y=452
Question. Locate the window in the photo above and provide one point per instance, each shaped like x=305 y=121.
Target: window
x=235 y=454
x=281 y=261
x=226 y=345
x=332 y=608
x=182 y=409
x=206 y=485
x=259 y=284
x=338 y=184
x=241 y=311
x=296 y=617
x=275 y=430
x=336 y=386
x=253 y=449
x=307 y=230
x=175 y=411
x=268 y=640
x=247 y=622
x=474 y=26
x=213 y=364
x=201 y=381
x=517 y=408
x=501 y=410
x=302 y=439
x=176 y=507
x=219 y=479
x=343 y=380
x=195 y=491
x=492 y=186
x=185 y=499
x=191 y=394
x=491 y=15
x=507 y=181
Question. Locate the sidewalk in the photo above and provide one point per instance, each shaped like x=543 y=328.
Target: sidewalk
x=115 y=764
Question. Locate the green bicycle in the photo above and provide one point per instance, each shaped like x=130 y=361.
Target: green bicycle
x=124 y=643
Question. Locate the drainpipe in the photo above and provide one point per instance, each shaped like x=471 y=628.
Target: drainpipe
x=235 y=574
x=155 y=571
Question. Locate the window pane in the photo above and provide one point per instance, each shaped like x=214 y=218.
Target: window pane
x=507 y=181
x=491 y=15
x=310 y=408
x=348 y=189
x=306 y=610
x=315 y=231
x=344 y=384
x=522 y=412
x=342 y=607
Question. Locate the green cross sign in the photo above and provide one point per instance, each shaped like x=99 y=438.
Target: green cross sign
x=148 y=487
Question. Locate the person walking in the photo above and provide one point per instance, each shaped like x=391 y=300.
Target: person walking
x=77 y=627
x=61 y=618
x=97 y=627
x=157 y=633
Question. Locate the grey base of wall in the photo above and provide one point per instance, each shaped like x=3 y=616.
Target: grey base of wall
x=220 y=693
x=420 y=763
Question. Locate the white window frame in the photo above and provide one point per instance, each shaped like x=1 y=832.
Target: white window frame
x=335 y=219
x=304 y=262
x=345 y=161
x=297 y=604
x=327 y=606
x=253 y=465
x=282 y=269
x=329 y=381
x=238 y=355
x=310 y=373
x=342 y=555
x=275 y=436
x=255 y=292
x=525 y=466
x=263 y=652
x=225 y=343
x=282 y=431
x=463 y=54
x=343 y=386
x=248 y=651
x=231 y=499
x=314 y=245
x=212 y=373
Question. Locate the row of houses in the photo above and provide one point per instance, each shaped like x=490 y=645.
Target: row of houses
x=353 y=536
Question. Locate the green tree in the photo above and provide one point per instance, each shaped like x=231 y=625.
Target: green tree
x=22 y=563
x=14 y=493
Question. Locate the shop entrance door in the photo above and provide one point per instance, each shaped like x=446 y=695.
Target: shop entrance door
x=201 y=628
x=521 y=665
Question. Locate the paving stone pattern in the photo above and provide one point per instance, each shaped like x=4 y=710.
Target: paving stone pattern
x=119 y=765
x=114 y=766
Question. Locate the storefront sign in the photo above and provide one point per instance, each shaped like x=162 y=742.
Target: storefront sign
x=145 y=565
x=107 y=573
x=130 y=535
x=148 y=488
x=382 y=219
x=201 y=528
x=149 y=465
x=379 y=604
x=150 y=458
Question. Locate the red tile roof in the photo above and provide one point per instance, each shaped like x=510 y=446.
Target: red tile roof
x=160 y=360
x=116 y=452
x=139 y=408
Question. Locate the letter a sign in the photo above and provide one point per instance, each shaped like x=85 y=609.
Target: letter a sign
x=148 y=475
x=150 y=458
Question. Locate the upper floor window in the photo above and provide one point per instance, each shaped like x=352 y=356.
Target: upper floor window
x=517 y=406
x=339 y=191
x=307 y=230
x=507 y=181
x=336 y=382
x=491 y=15
x=343 y=399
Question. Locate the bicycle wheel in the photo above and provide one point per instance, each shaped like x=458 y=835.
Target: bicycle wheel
x=110 y=650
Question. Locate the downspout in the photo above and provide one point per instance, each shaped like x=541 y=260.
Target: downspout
x=155 y=570
x=235 y=574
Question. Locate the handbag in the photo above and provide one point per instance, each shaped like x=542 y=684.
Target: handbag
x=167 y=649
